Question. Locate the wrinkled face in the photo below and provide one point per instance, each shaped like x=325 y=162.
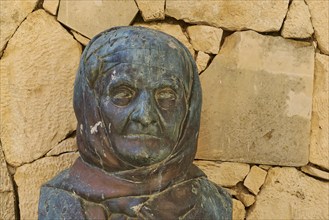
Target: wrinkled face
x=144 y=108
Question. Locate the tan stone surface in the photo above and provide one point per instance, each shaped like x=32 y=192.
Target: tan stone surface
x=320 y=19
x=202 y=60
x=7 y=207
x=151 y=9
x=171 y=29
x=7 y=198
x=298 y=21
x=315 y=172
x=290 y=194
x=255 y=179
x=30 y=177
x=262 y=16
x=224 y=174
x=265 y=167
x=243 y=194
x=13 y=12
x=91 y=17
x=205 y=38
x=82 y=39
x=257 y=99
x=68 y=145
x=319 y=149
x=51 y=6
x=37 y=75
x=239 y=211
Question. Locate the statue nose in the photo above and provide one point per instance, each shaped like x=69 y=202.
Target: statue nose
x=144 y=113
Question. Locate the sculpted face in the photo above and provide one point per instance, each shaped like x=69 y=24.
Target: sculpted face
x=144 y=107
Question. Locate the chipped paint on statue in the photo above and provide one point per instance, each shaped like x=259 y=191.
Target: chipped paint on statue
x=139 y=93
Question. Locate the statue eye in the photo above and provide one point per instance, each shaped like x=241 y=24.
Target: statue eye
x=122 y=95
x=166 y=98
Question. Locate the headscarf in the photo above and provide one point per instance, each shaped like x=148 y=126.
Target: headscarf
x=115 y=46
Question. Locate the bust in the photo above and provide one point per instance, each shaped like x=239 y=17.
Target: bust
x=137 y=99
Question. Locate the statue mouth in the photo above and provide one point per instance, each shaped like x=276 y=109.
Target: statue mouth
x=141 y=137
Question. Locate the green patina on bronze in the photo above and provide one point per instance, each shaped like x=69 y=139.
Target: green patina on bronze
x=137 y=99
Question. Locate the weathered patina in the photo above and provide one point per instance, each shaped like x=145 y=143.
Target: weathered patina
x=137 y=99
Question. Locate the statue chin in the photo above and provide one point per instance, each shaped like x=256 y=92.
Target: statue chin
x=141 y=150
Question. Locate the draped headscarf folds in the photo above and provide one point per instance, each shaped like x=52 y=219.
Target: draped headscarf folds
x=114 y=46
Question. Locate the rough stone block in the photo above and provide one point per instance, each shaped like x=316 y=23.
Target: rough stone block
x=255 y=179
x=290 y=194
x=12 y=14
x=239 y=211
x=319 y=149
x=7 y=198
x=231 y=15
x=224 y=174
x=51 y=6
x=30 y=177
x=257 y=100
x=298 y=21
x=202 y=60
x=151 y=10
x=315 y=172
x=37 y=76
x=320 y=19
x=205 y=38
x=91 y=17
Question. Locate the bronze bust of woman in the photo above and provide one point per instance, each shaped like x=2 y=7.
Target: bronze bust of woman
x=137 y=99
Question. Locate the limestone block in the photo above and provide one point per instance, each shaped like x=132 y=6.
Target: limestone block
x=205 y=38
x=239 y=211
x=315 y=172
x=290 y=194
x=7 y=198
x=231 y=15
x=68 y=145
x=265 y=167
x=82 y=39
x=37 y=76
x=51 y=6
x=257 y=99
x=7 y=207
x=202 y=60
x=151 y=9
x=320 y=19
x=30 y=177
x=12 y=14
x=255 y=179
x=224 y=174
x=91 y=17
x=243 y=194
x=298 y=21
x=319 y=149
x=172 y=29
x=246 y=198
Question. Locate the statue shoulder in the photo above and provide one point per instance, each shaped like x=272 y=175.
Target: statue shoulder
x=57 y=203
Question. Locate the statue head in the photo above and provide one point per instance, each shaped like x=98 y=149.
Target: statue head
x=137 y=99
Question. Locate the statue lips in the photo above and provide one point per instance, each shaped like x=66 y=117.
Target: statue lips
x=142 y=139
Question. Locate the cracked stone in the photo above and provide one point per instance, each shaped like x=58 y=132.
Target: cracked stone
x=46 y=83
x=92 y=17
x=298 y=22
x=289 y=194
x=12 y=14
x=151 y=10
x=231 y=15
x=224 y=174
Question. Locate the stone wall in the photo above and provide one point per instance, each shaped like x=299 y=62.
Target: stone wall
x=264 y=69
